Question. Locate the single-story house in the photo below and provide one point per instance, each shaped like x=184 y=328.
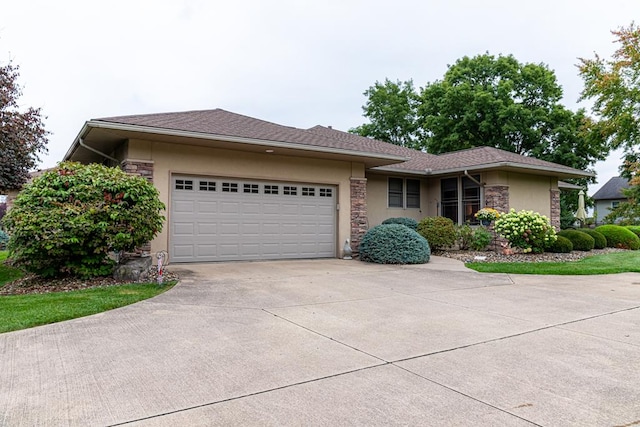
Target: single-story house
x=609 y=196
x=240 y=188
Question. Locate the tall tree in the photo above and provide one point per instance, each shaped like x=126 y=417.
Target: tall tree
x=614 y=87
x=489 y=101
x=391 y=110
x=22 y=134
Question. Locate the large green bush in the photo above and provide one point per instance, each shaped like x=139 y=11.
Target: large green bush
x=619 y=237
x=439 y=231
x=581 y=241
x=600 y=242
x=394 y=244
x=69 y=219
x=635 y=229
x=409 y=222
x=526 y=230
x=561 y=245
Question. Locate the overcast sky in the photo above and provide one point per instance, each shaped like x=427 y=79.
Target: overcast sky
x=294 y=62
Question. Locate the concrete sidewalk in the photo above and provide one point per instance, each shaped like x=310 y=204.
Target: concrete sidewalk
x=333 y=342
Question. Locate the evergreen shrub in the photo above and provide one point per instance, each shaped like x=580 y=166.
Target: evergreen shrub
x=394 y=244
x=581 y=241
x=600 y=242
x=408 y=222
x=561 y=245
x=619 y=237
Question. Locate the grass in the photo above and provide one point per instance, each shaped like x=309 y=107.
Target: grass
x=619 y=262
x=26 y=311
x=8 y=274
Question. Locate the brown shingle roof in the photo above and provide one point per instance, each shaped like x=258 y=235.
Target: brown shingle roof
x=225 y=123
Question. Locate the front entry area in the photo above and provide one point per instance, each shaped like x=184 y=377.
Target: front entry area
x=230 y=219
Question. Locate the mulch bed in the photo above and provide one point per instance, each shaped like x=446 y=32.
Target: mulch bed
x=32 y=284
x=490 y=256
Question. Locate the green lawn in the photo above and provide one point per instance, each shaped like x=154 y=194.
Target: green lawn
x=619 y=262
x=26 y=311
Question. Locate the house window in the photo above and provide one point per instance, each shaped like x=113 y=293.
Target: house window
x=615 y=204
x=460 y=199
x=404 y=193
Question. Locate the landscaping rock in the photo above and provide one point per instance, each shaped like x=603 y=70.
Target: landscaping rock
x=133 y=269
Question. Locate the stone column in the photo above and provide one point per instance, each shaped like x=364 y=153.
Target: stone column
x=143 y=168
x=359 y=221
x=555 y=209
x=497 y=197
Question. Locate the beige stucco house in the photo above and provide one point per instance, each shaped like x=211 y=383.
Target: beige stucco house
x=239 y=188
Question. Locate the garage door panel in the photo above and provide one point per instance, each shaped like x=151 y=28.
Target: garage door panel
x=235 y=219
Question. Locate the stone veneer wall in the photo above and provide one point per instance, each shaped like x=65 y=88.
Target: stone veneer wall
x=555 y=209
x=144 y=169
x=358 y=211
x=497 y=197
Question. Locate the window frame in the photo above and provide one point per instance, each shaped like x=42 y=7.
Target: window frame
x=461 y=200
x=399 y=196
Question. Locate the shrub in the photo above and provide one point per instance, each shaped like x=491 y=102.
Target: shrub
x=561 y=245
x=68 y=219
x=581 y=241
x=635 y=229
x=4 y=239
x=408 y=222
x=526 y=230
x=473 y=238
x=619 y=237
x=439 y=231
x=394 y=244
x=600 y=242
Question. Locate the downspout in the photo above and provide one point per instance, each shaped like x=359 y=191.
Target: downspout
x=100 y=153
x=466 y=173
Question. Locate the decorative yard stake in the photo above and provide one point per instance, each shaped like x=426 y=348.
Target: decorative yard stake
x=162 y=255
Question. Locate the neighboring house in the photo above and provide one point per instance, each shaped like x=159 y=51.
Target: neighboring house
x=239 y=188
x=609 y=196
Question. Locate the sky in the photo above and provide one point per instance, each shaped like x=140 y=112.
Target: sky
x=293 y=62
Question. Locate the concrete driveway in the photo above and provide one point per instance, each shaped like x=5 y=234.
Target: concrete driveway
x=333 y=342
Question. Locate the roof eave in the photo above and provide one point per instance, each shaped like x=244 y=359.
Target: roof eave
x=486 y=166
x=226 y=138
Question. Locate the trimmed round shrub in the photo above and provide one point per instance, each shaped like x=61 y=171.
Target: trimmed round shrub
x=68 y=220
x=635 y=229
x=581 y=241
x=600 y=242
x=619 y=237
x=408 y=222
x=394 y=244
x=561 y=245
x=438 y=230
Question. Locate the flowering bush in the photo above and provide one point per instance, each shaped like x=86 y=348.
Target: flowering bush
x=487 y=214
x=526 y=230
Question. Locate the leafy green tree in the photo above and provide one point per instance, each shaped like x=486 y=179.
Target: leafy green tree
x=391 y=109
x=22 y=134
x=68 y=220
x=613 y=86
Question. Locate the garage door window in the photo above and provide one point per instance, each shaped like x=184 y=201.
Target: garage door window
x=251 y=189
x=184 y=184
x=325 y=192
x=308 y=191
x=289 y=191
x=270 y=189
x=229 y=187
x=207 y=186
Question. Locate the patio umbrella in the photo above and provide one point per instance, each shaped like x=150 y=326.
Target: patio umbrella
x=581 y=214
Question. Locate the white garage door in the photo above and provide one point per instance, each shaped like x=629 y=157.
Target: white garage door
x=221 y=219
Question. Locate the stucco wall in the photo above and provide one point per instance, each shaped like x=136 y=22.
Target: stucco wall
x=377 y=201
x=183 y=159
x=530 y=192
